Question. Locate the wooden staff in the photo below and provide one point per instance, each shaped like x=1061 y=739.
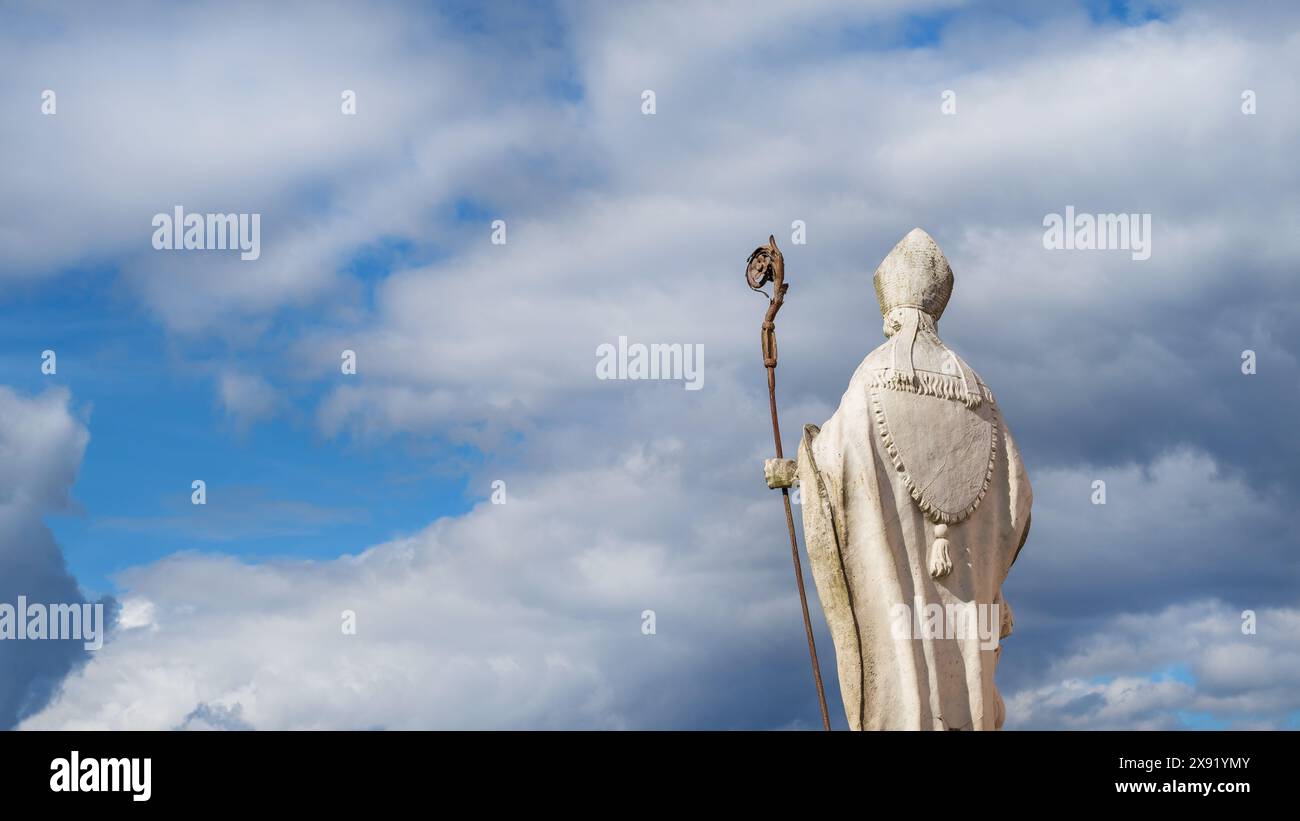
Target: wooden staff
x=765 y=265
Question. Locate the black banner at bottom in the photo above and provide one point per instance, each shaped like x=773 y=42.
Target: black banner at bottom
x=334 y=770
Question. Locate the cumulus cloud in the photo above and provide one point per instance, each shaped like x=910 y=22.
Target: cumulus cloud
x=1198 y=664
x=41 y=447
x=252 y=124
x=1127 y=358
x=529 y=613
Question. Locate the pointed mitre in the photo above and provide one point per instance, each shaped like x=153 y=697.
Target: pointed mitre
x=915 y=274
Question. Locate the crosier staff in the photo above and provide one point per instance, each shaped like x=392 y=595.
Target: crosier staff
x=766 y=265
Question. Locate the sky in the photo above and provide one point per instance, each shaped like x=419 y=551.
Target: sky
x=372 y=493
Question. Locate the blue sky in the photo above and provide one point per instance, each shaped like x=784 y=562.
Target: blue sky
x=157 y=426
x=370 y=492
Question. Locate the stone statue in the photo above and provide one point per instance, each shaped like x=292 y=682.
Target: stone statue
x=915 y=505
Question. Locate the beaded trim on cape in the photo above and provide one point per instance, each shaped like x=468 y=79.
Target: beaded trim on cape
x=941 y=389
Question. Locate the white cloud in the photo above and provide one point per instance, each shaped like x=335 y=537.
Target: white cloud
x=241 y=113
x=854 y=144
x=526 y=614
x=247 y=397
x=1185 y=664
x=41 y=445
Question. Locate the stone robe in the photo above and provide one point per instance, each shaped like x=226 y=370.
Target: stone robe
x=868 y=538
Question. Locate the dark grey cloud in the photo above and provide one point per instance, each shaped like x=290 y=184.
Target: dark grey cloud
x=41 y=445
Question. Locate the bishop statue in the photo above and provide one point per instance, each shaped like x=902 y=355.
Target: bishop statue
x=915 y=506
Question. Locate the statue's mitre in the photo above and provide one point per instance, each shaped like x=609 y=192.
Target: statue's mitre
x=915 y=274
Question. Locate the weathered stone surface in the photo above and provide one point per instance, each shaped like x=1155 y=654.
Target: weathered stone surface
x=915 y=505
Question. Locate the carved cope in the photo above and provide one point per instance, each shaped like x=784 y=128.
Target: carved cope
x=936 y=419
